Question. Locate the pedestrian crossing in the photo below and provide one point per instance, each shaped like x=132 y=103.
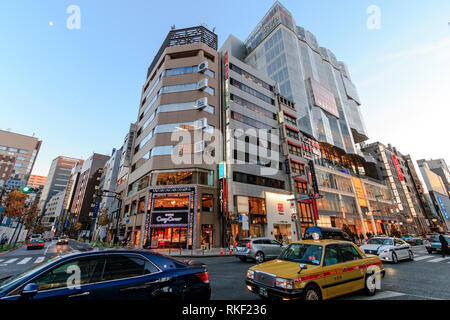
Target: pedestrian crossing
x=21 y=261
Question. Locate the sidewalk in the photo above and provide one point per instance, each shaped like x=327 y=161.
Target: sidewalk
x=194 y=253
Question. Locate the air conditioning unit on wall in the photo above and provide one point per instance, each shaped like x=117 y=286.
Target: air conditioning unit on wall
x=201 y=103
x=202 y=84
x=202 y=67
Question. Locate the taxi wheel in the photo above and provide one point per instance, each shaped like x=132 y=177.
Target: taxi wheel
x=312 y=292
x=370 y=287
x=394 y=258
x=259 y=257
x=411 y=255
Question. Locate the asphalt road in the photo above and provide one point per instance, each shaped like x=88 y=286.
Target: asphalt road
x=21 y=259
x=426 y=278
x=423 y=279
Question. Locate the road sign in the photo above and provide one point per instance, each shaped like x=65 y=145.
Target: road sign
x=245 y=225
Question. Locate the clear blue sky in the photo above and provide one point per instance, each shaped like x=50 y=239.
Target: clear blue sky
x=78 y=90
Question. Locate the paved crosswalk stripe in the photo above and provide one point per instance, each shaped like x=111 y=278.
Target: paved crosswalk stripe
x=438 y=259
x=11 y=260
x=24 y=261
x=1 y=260
x=39 y=260
x=386 y=295
x=422 y=258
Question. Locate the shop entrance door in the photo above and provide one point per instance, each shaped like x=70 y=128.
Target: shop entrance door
x=282 y=233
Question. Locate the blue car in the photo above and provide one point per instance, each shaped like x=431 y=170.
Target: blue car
x=110 y=275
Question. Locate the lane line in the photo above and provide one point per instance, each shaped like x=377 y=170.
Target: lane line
x=11 y=260
x=438 y=259
x=386 y=295
x=39 y=260
x=422 y=258
x=2 y=260
x=24 y=261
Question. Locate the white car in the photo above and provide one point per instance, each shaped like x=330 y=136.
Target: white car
x=388 y=249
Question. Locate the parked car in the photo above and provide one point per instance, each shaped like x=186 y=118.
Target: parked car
x=434 y=245
x=36 y=244
x=258 y=249
x=388 y=249
x=316 y=270
x=326 y=233
x=412 y=239
x=110 y=275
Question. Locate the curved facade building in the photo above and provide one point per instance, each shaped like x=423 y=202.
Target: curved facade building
x=328 y=106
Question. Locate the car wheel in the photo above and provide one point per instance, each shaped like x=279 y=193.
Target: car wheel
x=243 y=259
x=259 y=257
x=411 y=255
x=394 y=258
x=312 y=292
x=370 y=287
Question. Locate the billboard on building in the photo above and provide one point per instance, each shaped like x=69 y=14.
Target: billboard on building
x=323 y=98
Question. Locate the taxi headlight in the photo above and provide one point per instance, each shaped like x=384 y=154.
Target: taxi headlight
x=284 y=283
x=250 y=274
x=385 y=251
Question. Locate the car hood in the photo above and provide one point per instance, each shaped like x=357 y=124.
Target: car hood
x=284 y=269
x=374 y=247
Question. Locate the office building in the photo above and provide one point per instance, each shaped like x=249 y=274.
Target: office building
x=57 y=179
x=84 y=209
x=53 y=210
x=438 y=194
x=35 y=181
x=172 y=203
x=18 y=154
x=440 y=168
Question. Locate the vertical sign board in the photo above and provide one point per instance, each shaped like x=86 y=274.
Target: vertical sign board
x=397 y=166
x=313 y=176
x=359 y=192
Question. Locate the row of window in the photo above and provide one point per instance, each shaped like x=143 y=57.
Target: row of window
x=174 y=72
x=294 y=150
x=257 y=180
x=175 y=88
x=172 y=108
x=22 y=151
x=250 y=77
x=253 y=107
x=251 y=91
x=170 y=127
x=251 y=122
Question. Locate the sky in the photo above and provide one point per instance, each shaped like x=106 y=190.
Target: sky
x=78 y=90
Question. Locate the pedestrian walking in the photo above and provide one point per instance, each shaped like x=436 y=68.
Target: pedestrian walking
x=280 y=238
x=208 y=245
x=444 y=244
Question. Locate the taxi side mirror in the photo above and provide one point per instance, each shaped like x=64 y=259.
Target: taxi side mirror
x=302 y=267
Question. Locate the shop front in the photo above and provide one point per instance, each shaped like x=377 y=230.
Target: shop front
x=170 y=217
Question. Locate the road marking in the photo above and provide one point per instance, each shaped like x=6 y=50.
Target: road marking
x=386 y=295
x=1 y=260
x=11 y=260
x=438 y=259
x=422 y=258
x=39 y=260
x=24 y=261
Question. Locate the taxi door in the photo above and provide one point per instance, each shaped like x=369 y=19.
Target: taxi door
x=332 y=271
x=353 y=274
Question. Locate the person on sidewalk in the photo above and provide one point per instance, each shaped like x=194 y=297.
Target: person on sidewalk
x=207 y=243
x=444 y=244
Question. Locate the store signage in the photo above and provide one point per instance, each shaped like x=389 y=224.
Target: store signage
x=359 y=192
x=324 y=99
x=242 y=204
x=397 y=166
x=172 y=218
x=313 y=177
x=280 y=208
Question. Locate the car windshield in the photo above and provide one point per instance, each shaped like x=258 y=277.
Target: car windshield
x=11 y=280
x=381 y=241
x=302 y=253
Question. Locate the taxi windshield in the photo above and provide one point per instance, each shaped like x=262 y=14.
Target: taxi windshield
x=381 y=241
x=302 y=253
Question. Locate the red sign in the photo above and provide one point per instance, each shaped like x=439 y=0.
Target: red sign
x=280 y=207
x=397 y=166
x=226 y=66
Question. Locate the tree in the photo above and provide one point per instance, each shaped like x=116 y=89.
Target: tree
x=31 y=215
x=39 y=228
x=14 y=204
x=103 y=218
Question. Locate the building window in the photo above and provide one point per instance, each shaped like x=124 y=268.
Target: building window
x=257 y=180
x=295 y=150
x=290 y=120
x=300 y=187
x=298 y=168
x=207 y=202
x=253 y=107
x=252 y=91
x=292 y=134
x=251 y=77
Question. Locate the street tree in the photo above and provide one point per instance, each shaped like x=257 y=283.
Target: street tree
x=14 y=204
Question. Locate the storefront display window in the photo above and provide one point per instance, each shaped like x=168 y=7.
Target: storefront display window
x=257 y=206
x=173 y=202
x=207 y=202
x=172 y=178
x=141 y=205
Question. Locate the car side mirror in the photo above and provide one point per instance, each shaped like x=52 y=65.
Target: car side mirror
x=29 y=290
x=303 y=266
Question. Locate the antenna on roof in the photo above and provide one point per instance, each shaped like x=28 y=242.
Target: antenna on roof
x=214 y=29
x=172 y=27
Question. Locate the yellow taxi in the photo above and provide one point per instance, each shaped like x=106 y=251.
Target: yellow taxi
x=316 y=270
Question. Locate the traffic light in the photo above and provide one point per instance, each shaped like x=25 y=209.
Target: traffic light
x=30 y=190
